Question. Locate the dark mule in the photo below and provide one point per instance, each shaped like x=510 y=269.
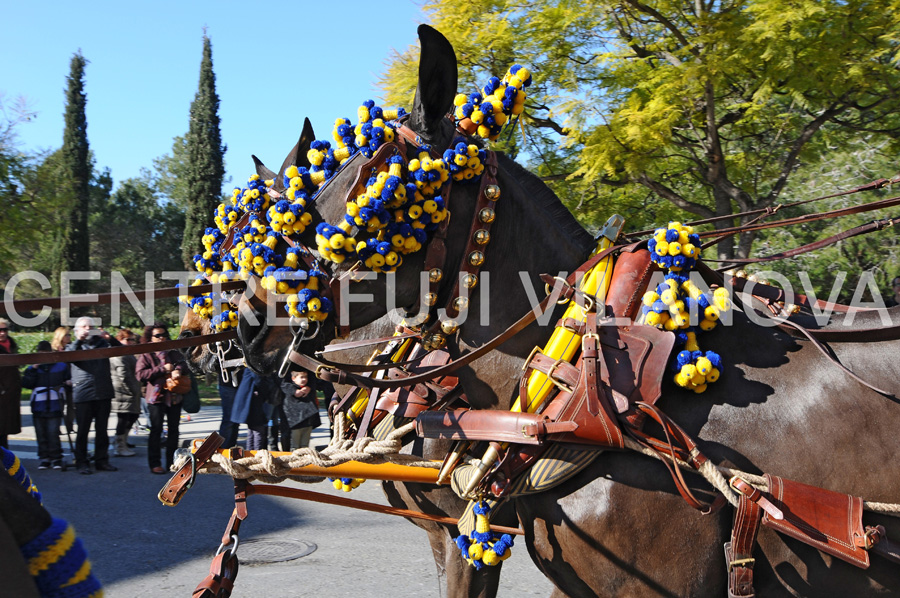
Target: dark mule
x=619 y=528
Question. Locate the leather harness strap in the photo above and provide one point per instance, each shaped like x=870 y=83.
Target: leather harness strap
x=183 y=479
x=739 y=552
x=323 y=371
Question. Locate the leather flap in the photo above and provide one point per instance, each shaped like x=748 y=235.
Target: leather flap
x=477 y=424
x=826 y=520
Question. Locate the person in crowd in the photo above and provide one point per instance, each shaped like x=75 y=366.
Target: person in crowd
x=127 y=402
x=227 y=391
x=893 y=299
x=48 y=383
x=279 y=428
x=92 y=393
x=301 y=407
x=153 y=369
x=61 y=338
x=249 y=408
x=10 y=389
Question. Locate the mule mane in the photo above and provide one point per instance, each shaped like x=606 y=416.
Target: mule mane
x=544 y=198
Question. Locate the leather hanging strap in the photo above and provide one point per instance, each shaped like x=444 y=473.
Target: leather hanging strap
x=738 y=552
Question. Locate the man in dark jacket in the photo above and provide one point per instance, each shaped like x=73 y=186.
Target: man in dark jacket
x=92 y=393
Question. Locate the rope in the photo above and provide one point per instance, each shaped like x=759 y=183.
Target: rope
x=716 y=475
x=265 y=467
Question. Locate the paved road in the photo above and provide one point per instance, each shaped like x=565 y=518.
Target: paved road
x=141 y=549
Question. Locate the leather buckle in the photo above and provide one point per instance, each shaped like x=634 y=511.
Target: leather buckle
x=548 y=290
x=748 y=563
x=530 y=357
x=589 y=335
x=559 y=383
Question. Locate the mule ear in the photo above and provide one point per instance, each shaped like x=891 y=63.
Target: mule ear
x=437 y=81
x=297 y=156
x=263 y=172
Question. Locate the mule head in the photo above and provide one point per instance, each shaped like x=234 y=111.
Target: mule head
x=201 y=358
x=362 y=298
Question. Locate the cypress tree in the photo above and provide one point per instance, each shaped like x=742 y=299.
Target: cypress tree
x=76 y=176
x=206 y=164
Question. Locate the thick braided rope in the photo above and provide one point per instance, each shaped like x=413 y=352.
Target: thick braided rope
x=265 y=467
x=716 y=476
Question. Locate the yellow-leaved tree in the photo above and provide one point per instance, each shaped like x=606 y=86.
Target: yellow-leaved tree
x=664 y=108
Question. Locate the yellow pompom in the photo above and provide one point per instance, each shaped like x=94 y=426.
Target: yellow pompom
x=674 y=248
x=712 y=375
x=711 y=313
x=703 y=365
x=662 y=248
x=707 y=325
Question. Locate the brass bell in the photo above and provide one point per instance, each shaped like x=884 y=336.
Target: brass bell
x=476 y=258
x=461 y=303
x=449 y=326
x=430 y=299
x=435 y=275
x=482 y=237
x=436 y=341
x=469 y=281
x=487 y=215
x=492 y=192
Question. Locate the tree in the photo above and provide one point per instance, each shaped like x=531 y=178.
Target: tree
x=76 y=176
x=710 y=105
x=205 y=165
x=16 y=168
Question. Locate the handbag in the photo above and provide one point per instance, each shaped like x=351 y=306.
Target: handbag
x=180 y=385
x=190 y=401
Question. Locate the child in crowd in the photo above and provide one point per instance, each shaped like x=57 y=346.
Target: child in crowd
x=48 y=382
x=301 y=407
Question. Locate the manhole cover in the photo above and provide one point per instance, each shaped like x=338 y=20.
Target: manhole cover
x=260 y=551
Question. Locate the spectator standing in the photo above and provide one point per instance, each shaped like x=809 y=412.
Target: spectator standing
x=92 y=393
x=10 y=389
x=301 y=407
x=249 y=409
x=894 y=299
x=61 y=338
x=127 y=402
x=227 y=391
x=48 y=382
x=154 y=369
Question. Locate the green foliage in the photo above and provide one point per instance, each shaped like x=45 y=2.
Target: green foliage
x=74 y=183
x=205 y=167
x=666 y=109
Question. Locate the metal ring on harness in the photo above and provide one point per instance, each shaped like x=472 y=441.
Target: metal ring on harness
x=300 y=335
x=232 y=546
x=220 y=354
x=562 y=301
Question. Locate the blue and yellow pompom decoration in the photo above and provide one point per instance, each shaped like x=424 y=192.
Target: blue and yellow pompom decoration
x=395 y=216
x=346 y=484
x=56 y=558
x=498 y=101
x=673 y=303
x=484 y=547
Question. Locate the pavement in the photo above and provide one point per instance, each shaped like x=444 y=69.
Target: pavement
x=288 y=548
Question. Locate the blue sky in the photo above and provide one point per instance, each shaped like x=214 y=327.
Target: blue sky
x=275 y=63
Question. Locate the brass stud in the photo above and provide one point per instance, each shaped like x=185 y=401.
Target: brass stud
x=430 y=299
x=469 y=281
x=435 y=275
x=791 y=308
x=476 y=258
x=492 y=192
x=449 y=326
x=482 y=237
x=740 y=274
x=487 y=215
x=461 y=303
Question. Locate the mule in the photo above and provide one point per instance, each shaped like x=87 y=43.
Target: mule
x=619 y=528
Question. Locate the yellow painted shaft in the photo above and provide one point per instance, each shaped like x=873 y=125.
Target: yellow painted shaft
x=354 y=469
x=362 y=397
x=564 y=343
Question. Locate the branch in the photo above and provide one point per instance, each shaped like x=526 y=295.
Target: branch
x=546 y=123
x=672 y=196
x=666 y=23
